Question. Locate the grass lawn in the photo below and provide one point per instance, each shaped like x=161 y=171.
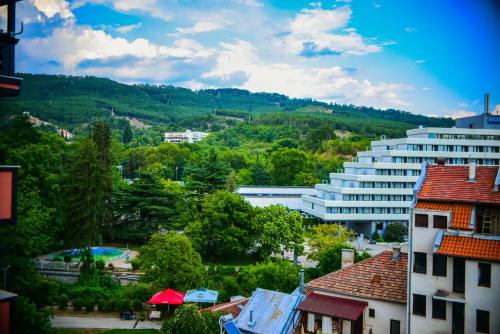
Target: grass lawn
x=104 y=331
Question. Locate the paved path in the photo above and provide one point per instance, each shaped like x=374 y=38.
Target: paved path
x=101 y=322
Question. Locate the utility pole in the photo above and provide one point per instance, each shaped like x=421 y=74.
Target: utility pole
x=5 y=276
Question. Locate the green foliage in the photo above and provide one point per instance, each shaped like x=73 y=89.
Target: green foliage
x=186 y=319
x=324 y=236
x=287 y=163
x=127 y=134
x=169 y=261
x=206 y=173
x=29 y=320
x=224 y=227
x=279 y=228
x=375 y=235
x=330 y=259
x=395 y=232
x=279 y=275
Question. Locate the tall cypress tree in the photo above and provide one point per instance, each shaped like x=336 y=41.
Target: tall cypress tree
x=127 y=134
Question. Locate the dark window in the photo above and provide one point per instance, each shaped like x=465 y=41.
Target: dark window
x=438 y=309
x=482 y=321
x=395 y=327
x=420 y=265
x=458 y=274
x=439 y=265
x=440 y=222
x=421 y=220
x=419 y=304
x=371 y=313
x=484 y=278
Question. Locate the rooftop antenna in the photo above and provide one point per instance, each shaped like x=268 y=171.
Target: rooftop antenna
x=486 y=103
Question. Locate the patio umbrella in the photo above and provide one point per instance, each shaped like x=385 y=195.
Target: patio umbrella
x=169 y=296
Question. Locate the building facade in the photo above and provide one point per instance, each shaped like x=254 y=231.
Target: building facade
x=262 y=196
x=454 y=269
x=187 y=136
x=376 y=188
x=368 y=297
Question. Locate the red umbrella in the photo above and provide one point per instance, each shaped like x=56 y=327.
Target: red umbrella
x=169 y=296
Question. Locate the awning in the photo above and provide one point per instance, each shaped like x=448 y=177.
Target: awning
x=169 y=296
x=201 y=295
x=333 y=306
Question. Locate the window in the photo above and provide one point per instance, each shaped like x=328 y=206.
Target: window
x=395 y=327
x=484 y=271
x=439 y=265
x=371 y=313
x=421 y=220
x=440 y=222
x=420 y=265
x=419 y=305
x=438 y=309
x=482 y=321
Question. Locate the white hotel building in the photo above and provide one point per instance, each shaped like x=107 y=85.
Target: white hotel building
x=376 y=188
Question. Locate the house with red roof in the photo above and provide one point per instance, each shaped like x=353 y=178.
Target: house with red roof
x=365 y=297
x=454 y=267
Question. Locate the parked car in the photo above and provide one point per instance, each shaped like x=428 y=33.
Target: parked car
x=372 y=242
x=127 y=315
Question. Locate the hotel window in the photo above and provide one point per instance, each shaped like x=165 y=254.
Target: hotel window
x=440 y=222
x=371 y=313
x=439 y=265
x=438 y=309
x=421 y=220
x=420 y=265
x=419 y=304
x=482 y=321
x=484 y=274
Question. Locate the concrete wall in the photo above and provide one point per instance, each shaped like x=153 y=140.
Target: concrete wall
x=384 y=312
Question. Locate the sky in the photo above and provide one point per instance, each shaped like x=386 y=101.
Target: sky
x=428 y=57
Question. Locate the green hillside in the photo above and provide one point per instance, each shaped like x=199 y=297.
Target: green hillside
x=73 y=102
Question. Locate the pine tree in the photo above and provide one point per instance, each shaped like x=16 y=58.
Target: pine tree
x=127 y=134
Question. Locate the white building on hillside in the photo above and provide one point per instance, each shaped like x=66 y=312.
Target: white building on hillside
x=454 y=268
x=376 y=187
x=187 y=136
x=262 y=196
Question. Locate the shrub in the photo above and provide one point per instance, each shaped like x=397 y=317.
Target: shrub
x=78 y=304
x=100 y=264
x=106 y=305
x=395 y=232
x=123 y=304
x=89 y=304
x=375 y=235
x=62 y=301
x=137 y=305
x=136 y=264
x=67 y=258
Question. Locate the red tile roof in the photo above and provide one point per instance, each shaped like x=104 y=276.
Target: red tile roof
x=230 y=307
x=333 y=306
x=460 y=212
x=358 y=279
x=433 y=206
x=471 y=248
x=451 y=184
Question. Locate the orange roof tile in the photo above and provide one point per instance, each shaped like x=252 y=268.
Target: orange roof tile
x=433 y=206
x=469 y=247
x=461 y=216
x=357 y=280
x=451 y=184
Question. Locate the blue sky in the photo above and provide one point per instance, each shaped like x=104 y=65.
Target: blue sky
x=427 y=57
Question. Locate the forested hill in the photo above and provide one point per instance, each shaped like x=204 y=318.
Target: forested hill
x=75 y=101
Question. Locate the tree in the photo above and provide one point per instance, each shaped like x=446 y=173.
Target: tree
x=231 y=182
x=324 y=236
x=260 y=176
x=330 y=259
x=187 y=319
x=279 y=228
x=395 y=232
x=169 y=261
x=279 y=275
x=29 y=320
x=224 y=227
x=127 y=134
x=206 y=173
x=287 y=163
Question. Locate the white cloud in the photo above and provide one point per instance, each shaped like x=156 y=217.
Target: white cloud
x=203 y=26
x=311 y=34
x=154 y=8
x=410 y=29
x=421 y=61
x=376 y=5
x=454 y=113
x=128 y=28
x=51 y=8
x=250 y=3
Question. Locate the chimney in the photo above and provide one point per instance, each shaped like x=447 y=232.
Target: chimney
x=396 y=253
x=301 y=281
x=347 y=258
x=472 y=170
x=251 y=321
x=486 y=103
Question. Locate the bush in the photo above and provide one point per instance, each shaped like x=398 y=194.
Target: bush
x=106 y=305
x=375 y=235
x=67 y=258
x=136 y=264
x=62 y=301
x=123 y=305
x=89 y=304
x=78 y=304
x=395 y=232
x=100 y=264
x=137 y=305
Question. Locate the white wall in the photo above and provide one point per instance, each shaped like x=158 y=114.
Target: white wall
x=384 y=312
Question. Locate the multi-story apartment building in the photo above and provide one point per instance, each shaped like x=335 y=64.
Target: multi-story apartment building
x=187 y=136
x=376 y=188
x=454 y=261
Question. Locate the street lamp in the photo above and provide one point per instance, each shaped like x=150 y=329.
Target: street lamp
x=5 y=276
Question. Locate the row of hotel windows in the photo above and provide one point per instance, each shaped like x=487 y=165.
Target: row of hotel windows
x=448 y=161
x=453 y=148
x=439 y=268
x=377 y=197
x=463 y=136
x=439 y=312
x=367 y=210
x=397 y=185
x=398 y=172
